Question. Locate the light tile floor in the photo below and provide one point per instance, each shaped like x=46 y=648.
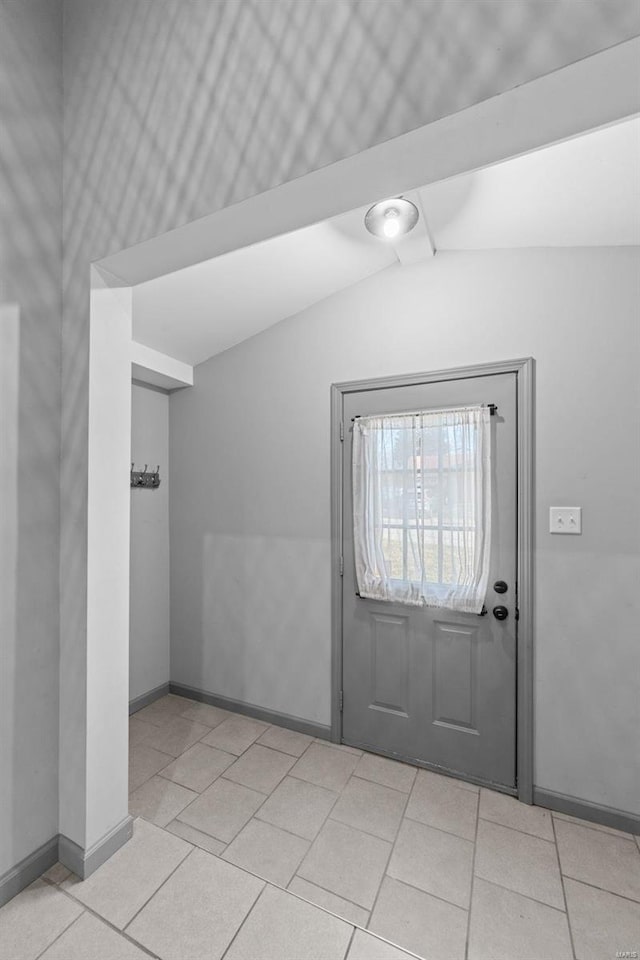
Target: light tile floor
x=252 y=842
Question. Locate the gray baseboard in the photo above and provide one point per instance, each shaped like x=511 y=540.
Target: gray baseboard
x=79 y=861
x=28 y=870
x=594 y=812
x=146 y=698
x=250 y=710
x=84 y=862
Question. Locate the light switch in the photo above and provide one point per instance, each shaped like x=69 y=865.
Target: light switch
x=565 y=519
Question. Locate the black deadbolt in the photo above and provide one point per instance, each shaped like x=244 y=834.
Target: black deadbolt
x=500 y=613
x=500 y=586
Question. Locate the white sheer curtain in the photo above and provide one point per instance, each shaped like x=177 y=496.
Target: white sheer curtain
x=422 y=507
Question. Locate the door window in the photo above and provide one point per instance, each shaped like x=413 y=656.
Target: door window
x=422 y=507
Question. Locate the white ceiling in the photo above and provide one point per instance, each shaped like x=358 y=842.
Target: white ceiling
x=584 y=192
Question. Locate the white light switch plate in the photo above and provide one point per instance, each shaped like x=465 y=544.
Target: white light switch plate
x=565 y=519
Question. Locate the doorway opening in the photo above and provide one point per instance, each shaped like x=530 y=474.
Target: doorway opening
x=435 y=154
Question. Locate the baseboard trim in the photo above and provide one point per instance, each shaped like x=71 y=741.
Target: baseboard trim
x=594 y=812
x=251 y=710
x=146 y=698
x=28 y=870
x=84 y=862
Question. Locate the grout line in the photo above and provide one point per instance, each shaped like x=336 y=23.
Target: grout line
x=338 y=896
x=440 y=829
x=353 y=933
x=473 y=873
x=386 y=866
x=526 y=896
x=276 y=826
x=178 y=865
x=564 y=894
x=515 y=830
x=248 y=914
x=108 y=923
x=428 y=893
x=62 y=932
x=599 y=828
x=594 y=886
x=361 y=776
x=367 y=833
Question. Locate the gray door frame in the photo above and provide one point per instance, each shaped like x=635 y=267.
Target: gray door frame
x=524 y=371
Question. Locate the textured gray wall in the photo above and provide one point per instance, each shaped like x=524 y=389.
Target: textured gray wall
x=149 y=597
x=250 y=528
x=173 y=110
x=30 y=275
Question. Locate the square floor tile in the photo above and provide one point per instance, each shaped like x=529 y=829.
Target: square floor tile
x=436 y=862
x=287 y=741
x=176 y=736
x=343 y=747
x=235 y=734
x=508 y=926
x=365 y=946
x=267 y=851
x=298 y=806
x=370 y=807
x=205 y=713
x=196 y=837
x=198 y=767
x=601 y=859
x=223 y=809
x=390 y=773
x=89 y=938
x=144 y=762
x=438 y=802
x=329 y=901
x=601 y=923
x=347 y=862
x=139 y=730
x=592 y=826
x=325 y=767
x=281 y=927
x=520 y=862
x=163 y=709
x=418 y=922
x=125 y=882
x=159 y=800
x=33 y=920
x=198 y=910
x=260 y=768
x=508 y=811
x=57 y=873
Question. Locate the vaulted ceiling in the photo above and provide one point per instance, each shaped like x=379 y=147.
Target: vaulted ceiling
x=583 y=192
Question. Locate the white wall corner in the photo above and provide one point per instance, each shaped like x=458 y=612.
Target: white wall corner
x=159 y=369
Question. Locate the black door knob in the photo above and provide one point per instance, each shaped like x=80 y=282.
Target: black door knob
x=500 y=613
x=500 y=586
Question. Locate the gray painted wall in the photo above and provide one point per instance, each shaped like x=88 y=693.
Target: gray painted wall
x=149 y=597
x=250 y=601
x=175 y=110
x=30 y=265
x=155 y=137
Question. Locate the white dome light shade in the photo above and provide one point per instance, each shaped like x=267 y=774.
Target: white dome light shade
x=391 y=218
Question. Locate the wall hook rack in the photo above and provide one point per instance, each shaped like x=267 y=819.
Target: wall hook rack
x=145 y=478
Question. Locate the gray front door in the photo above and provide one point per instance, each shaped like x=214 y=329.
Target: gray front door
x=425 y=684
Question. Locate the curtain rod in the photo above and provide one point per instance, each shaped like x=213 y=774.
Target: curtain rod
x=493 y=409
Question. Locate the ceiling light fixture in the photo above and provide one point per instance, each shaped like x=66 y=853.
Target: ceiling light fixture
x=389 y=219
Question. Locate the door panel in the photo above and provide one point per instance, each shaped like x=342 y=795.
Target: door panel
x=427 y=684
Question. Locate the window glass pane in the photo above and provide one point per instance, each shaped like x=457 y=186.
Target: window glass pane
x=421 y=505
